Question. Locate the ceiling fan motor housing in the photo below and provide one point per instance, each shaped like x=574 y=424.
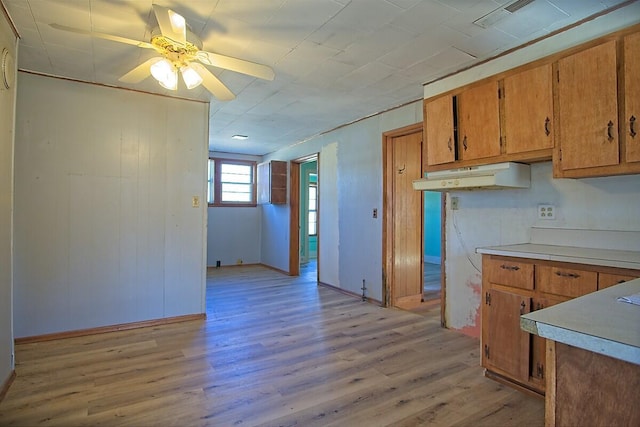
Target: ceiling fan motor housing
x=174 y=51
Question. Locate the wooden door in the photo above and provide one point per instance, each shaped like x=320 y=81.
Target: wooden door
x=479 y=122
x=588 y=112
x=438 y=130
x=631 y=127
x=505 y=344
x=405 y=208
x=528 y=110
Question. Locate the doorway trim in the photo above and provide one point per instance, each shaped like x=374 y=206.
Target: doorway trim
x=387 y=203
x=294 y=214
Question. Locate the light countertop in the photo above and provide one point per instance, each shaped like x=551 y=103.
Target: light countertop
x=596 y=322
x=589 y=256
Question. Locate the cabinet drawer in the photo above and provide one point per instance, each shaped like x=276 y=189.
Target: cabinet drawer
x=606 y=280
x=510 y=273
x=565 y=281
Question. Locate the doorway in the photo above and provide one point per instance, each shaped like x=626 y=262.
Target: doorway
x=304 y=217
x=413 y=227
x=309 y=217
x=432 y=231
x=403 y=213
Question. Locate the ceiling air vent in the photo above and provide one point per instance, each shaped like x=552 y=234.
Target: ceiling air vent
x=493 y=17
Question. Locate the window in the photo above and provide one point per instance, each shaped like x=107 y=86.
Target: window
x=231 y=182
x=313 y=209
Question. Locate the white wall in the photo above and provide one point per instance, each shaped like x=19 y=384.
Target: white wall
x=7 y=115
x=234 y=233
x=350 y=186
x=489 y=218
x=105 y=231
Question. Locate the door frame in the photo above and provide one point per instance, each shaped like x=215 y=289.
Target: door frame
x=294 y=214
x=388 y=208
x=387 y=225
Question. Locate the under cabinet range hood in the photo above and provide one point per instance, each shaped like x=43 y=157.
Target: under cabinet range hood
x=494 y=177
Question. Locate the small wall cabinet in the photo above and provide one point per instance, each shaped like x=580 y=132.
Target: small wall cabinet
x=512 y=287
x=272 y=182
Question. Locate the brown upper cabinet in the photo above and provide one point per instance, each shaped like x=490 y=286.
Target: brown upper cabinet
x=588 y=108
x=479 y=122
x=528 y=110
x=438 y=131
x=598 y=106
x=272 y=182
x=631 y=128
x=579 y=108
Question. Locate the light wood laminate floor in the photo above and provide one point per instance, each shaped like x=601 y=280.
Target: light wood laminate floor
x=273 y=351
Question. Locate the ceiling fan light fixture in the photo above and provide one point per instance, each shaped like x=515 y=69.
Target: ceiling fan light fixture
x=165 y=73
x=190 y=76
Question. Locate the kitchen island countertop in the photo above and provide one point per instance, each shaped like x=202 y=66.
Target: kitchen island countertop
x=597 y=322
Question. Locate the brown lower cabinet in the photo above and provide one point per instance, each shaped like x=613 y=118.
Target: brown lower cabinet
x=515 y=286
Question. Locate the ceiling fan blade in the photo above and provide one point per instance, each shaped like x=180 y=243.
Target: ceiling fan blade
x=103 y=36
x=235 y=64
x=172 y=25
x=140 y=72
x=212 y=83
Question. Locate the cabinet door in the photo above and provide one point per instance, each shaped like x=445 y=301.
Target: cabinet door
x=538 y=344
x=606 y=280
x=528 y=110
x=438 y=130
x=588 y=114
x=479 y=122
x=631 y=127
x=272 y=182
x=505 y=344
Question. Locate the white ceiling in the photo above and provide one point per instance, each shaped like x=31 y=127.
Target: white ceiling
x=335 y=61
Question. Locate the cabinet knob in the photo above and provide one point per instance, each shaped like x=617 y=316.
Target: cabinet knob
x=523 y=305
x=632 y=126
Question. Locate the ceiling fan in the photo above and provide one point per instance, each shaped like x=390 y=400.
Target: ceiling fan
x=180 y=51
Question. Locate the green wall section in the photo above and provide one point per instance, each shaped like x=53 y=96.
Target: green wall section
x=432 y=225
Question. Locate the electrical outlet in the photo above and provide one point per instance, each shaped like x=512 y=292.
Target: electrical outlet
x=375 y=213
x=546 y=212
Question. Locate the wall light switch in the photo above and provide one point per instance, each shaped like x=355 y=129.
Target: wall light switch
x=195 y=201
x=455 y=203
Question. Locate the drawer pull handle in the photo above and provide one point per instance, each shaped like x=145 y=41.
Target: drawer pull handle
x=632 y=130
x=610 y=136
x=510 y=267
x=449 y=145
x=523 y=305
x=563 y=274
x=464 y=142
x=546 y=126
